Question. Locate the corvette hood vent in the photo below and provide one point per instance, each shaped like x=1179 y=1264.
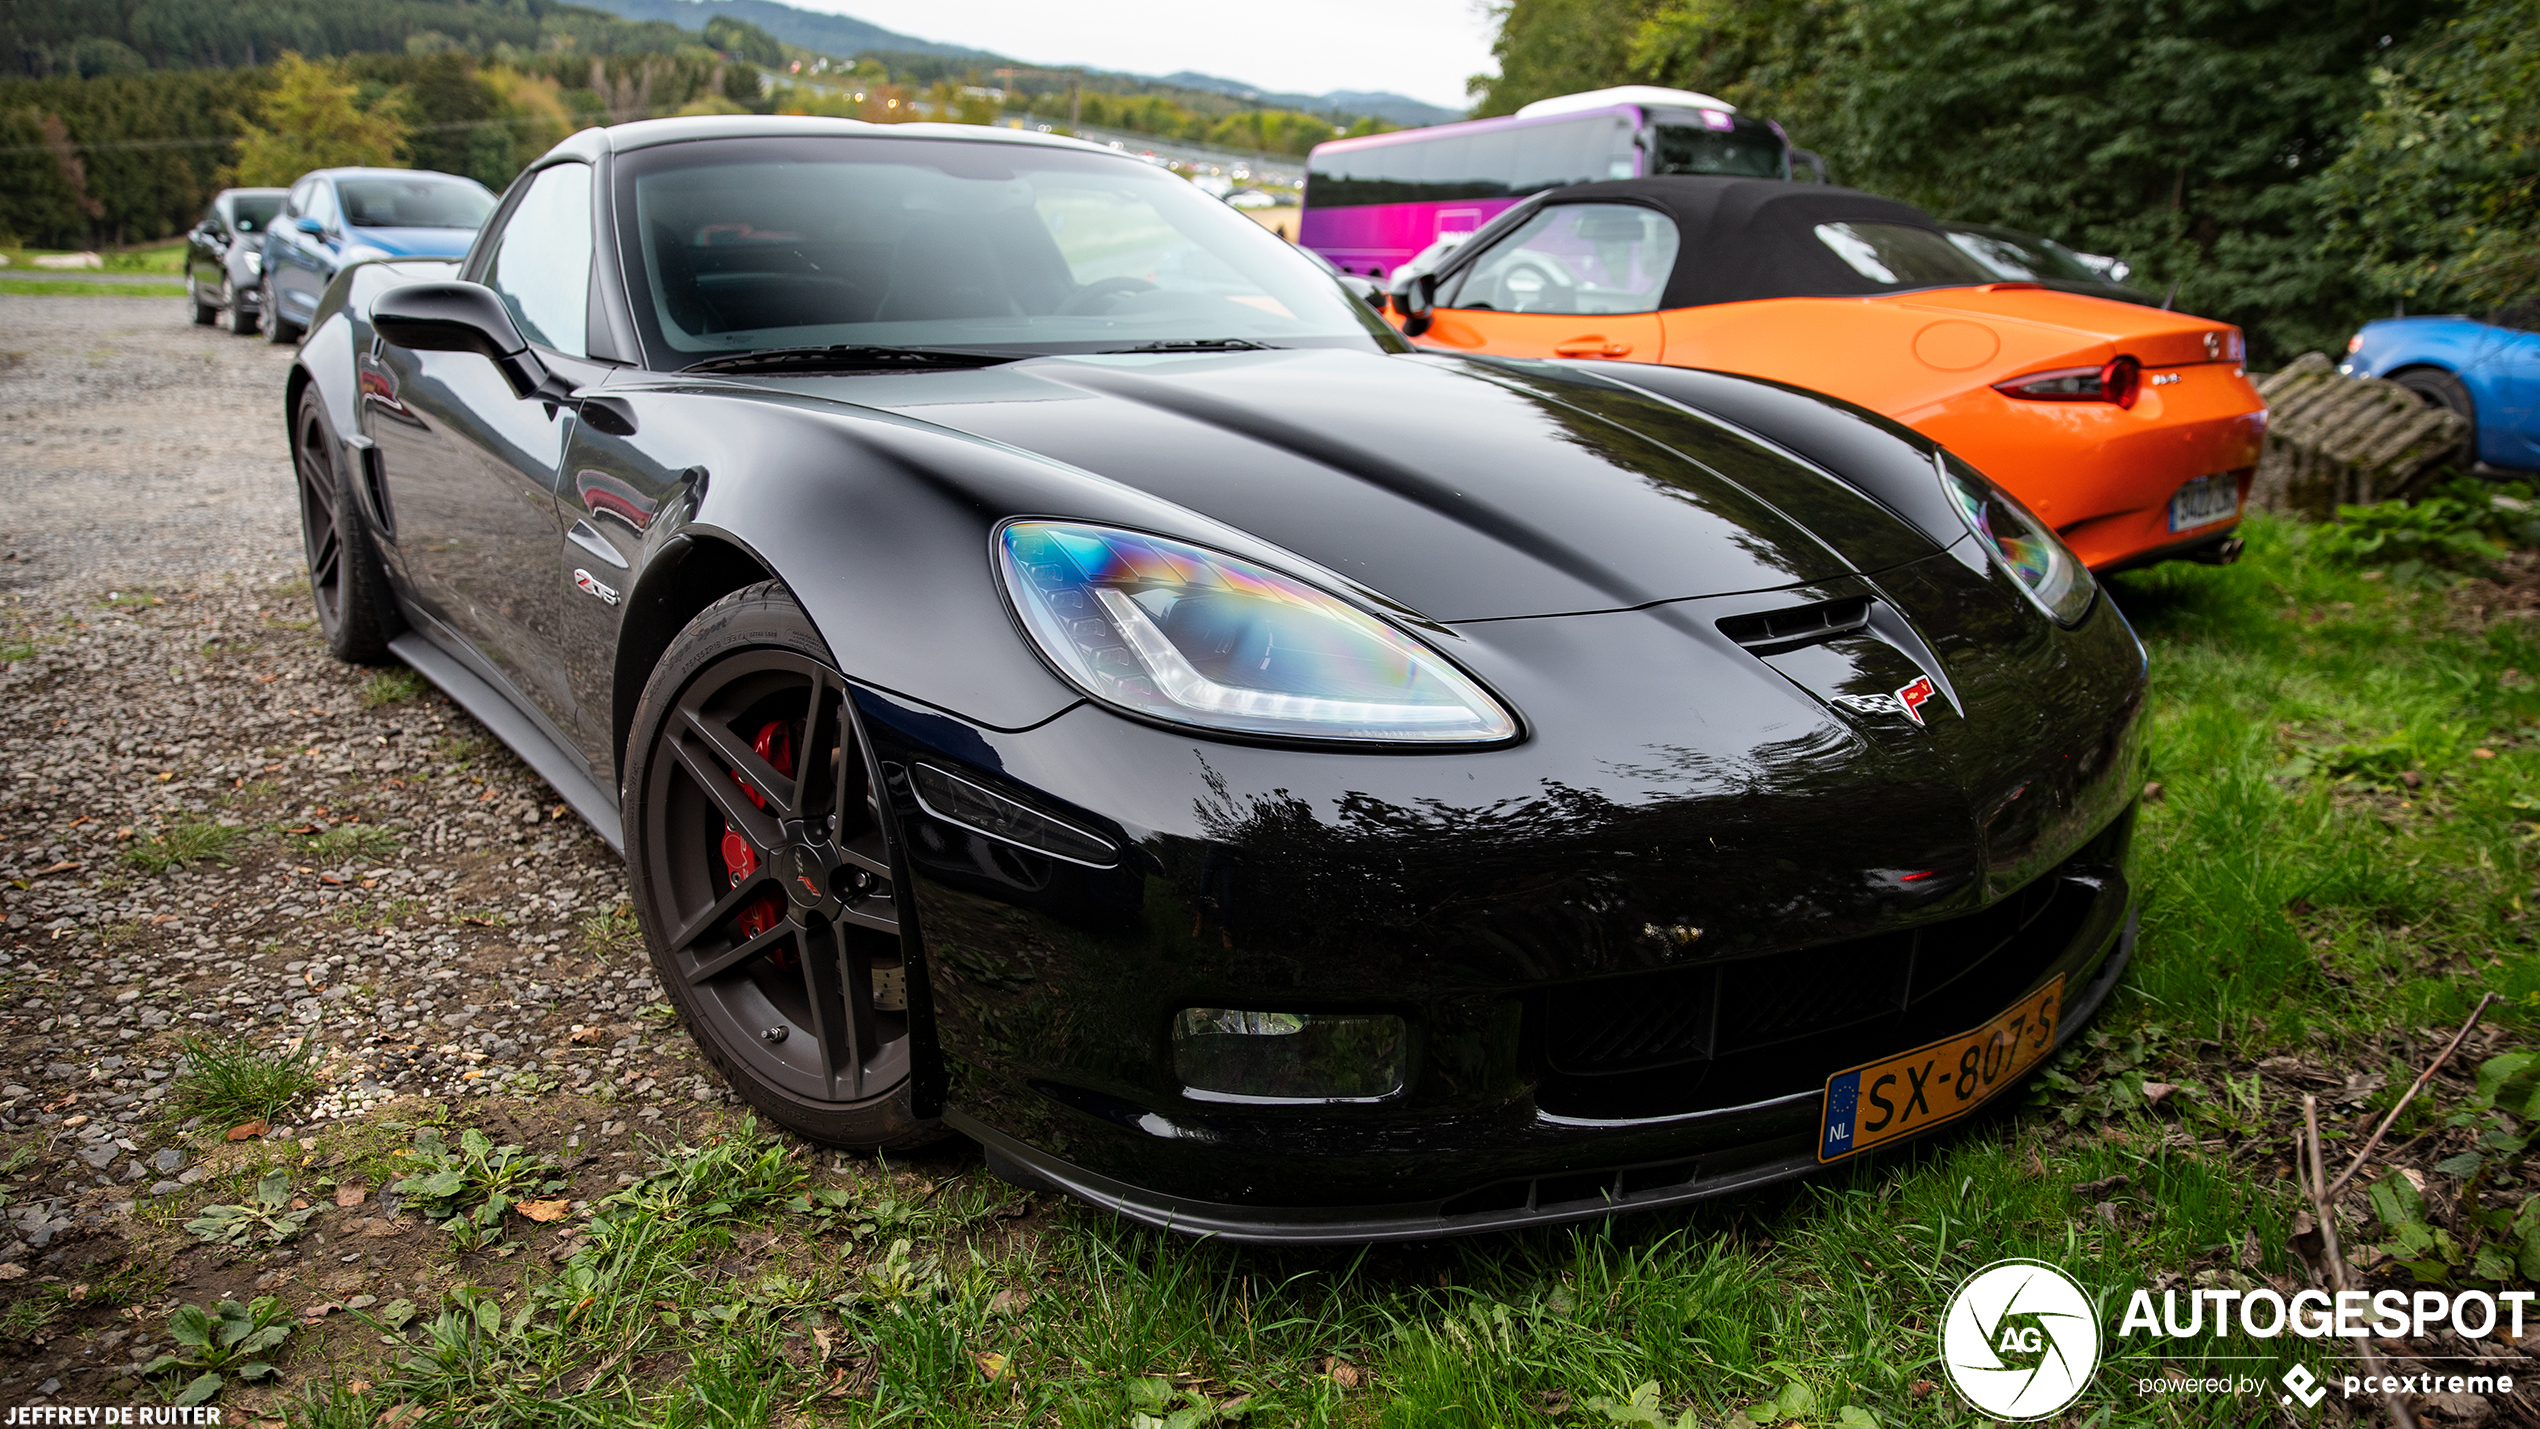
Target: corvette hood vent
x=1772 y=632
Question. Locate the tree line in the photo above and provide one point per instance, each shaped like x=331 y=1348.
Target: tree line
x=2289 y=165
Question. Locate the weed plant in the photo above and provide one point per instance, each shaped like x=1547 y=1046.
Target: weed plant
x=228 y=1081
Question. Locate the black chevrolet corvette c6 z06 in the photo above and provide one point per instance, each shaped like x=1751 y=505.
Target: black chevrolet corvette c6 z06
x=1061 y=670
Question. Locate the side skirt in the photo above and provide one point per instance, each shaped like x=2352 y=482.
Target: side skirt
x=562 y=771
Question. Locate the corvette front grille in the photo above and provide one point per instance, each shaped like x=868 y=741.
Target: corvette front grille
x=1746 y=1030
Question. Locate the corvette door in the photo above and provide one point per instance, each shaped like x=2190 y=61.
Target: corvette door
x=1576 y=280
x=471 y=471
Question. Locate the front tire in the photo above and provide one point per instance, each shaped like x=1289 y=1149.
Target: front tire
x=2438 y=388
x=355 y=611
x=278 y=329
x=763 y=875
x=204 y=313
x=241 y=321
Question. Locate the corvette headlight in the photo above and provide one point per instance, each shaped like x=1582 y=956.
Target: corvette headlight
x=2020 y=543
x=1197 y=637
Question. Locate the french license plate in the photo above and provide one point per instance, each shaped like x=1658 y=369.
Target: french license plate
x=2204 y=501
x=1915 y=1091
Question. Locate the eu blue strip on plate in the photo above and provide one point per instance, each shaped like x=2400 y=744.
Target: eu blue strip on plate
x=1843 y=1094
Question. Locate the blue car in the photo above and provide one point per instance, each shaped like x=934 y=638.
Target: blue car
x=2486 y=371
x=337 y=217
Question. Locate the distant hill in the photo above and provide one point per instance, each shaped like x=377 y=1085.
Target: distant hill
x=1401 y=109
x=846 y=36
x=840 y=35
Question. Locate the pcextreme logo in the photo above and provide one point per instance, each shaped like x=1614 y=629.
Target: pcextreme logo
x=2020 y=1340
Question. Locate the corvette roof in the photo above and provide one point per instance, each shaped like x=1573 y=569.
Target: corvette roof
x=1745 y=239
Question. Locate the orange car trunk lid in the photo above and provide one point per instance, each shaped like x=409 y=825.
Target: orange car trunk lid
x=2155 y=337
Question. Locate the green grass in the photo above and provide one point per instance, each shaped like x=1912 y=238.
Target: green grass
x=346 y=842
x=228 y=1082
x=390 y=686
x=2331 y=861
x=199 y=841
x=73 y=288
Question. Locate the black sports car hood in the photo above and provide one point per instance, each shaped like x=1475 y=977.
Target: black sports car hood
x=1463 y=489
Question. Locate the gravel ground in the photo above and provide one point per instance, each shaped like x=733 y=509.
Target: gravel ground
x=362 y=867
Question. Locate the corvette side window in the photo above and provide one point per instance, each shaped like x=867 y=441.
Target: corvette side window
x=1580 y=258
x=542 y=261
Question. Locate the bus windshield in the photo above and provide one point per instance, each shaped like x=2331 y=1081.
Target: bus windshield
x=1743 y=148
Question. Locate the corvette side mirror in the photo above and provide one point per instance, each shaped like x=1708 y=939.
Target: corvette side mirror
x=1418 y=300
x=459 y=317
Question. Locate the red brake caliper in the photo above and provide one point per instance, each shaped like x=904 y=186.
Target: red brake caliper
x=775 y=744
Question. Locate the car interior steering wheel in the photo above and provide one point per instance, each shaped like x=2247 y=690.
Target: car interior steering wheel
x=1087 y=298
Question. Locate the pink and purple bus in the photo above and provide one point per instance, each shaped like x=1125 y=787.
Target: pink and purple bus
x=1373 y=203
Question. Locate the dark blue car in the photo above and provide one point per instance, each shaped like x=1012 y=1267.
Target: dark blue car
x=338 y=217
x=2486 y=371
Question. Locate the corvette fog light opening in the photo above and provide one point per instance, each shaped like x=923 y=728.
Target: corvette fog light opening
x=1174 y=632
x=1224 y=1054
x=2045 y=569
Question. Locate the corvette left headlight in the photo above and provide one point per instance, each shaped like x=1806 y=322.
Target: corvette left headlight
x=1198 y=637
x=2037 y=558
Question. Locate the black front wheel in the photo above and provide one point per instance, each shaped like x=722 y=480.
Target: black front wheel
x=354 y=609
x=204 y=313
x=763 y=873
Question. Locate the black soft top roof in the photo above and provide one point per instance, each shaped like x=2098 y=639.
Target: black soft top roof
x=1744 y=239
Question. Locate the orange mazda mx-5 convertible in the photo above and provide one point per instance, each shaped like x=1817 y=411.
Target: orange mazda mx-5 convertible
x=2131 y=429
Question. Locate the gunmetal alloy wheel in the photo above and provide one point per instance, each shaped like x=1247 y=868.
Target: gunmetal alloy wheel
x=762 y=870
x=345 y=581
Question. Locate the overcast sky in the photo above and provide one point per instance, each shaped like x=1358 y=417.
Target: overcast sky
x=1423 y=48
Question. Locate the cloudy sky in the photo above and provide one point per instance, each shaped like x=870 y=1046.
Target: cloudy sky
x=1422 y=48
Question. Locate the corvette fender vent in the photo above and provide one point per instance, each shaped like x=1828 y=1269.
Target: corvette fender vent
x=1771 y=632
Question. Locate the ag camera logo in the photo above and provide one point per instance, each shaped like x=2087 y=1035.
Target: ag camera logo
x=2020 y=1340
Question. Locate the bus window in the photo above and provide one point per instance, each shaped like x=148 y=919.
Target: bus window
x=1724 y=145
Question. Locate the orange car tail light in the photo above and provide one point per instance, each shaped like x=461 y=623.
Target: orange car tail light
x=2118 y=380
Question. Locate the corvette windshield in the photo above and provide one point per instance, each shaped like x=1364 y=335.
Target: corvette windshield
x=749 y=244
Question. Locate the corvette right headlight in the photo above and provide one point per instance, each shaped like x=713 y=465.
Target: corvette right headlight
x=1196 y=637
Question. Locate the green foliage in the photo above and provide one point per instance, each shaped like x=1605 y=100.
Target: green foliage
x=228 y=1341
x=2440 y=195
x=470 y=1189
x=266 y=1219
x=228 y=1081
x=2462 y=527
x=308 y=120
x=198 y=841
x=837 y=1209
x=744 y=41
x=745 y=1173
x=1549 y=47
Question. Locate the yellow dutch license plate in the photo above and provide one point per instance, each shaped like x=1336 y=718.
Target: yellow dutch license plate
x=1918 y=1090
